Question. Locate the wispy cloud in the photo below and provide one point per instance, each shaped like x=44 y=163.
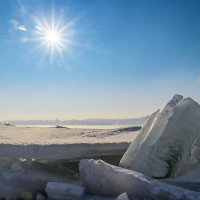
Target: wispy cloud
x=17 y=25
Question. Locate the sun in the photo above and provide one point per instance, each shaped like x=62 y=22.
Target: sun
x=52 y=39
x=54 y=36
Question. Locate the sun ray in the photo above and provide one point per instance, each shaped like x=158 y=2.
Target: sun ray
x=53 y=35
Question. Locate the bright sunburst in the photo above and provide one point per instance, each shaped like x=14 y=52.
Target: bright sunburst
x=53 y=35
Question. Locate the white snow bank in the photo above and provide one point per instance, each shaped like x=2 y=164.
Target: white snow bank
x=50 y=135
x=167 y=140
x=64 y=191
x=104 y=179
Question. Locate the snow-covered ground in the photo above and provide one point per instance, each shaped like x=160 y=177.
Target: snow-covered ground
x=51 y=135
x=62 y=143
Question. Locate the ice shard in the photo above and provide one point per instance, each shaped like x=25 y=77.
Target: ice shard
x=104 y=179
x=168 y=144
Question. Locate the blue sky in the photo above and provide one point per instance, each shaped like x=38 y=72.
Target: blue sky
x=127 y=58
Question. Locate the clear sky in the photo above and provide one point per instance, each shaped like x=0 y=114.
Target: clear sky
x=99 y=59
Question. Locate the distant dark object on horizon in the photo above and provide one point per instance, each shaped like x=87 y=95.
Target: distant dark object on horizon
x=128 y=129
x=58 y=126
x=8 y=124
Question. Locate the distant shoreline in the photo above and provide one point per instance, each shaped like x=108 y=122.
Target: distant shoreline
x=79 y=126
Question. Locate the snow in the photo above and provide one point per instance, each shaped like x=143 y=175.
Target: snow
x=101 y=178
x=167 y=141
x=123 y=196
x=64 y=191
x=51 y=135
x=60 y=143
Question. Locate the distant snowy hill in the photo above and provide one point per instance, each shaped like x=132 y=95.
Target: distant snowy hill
x=129 y=121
